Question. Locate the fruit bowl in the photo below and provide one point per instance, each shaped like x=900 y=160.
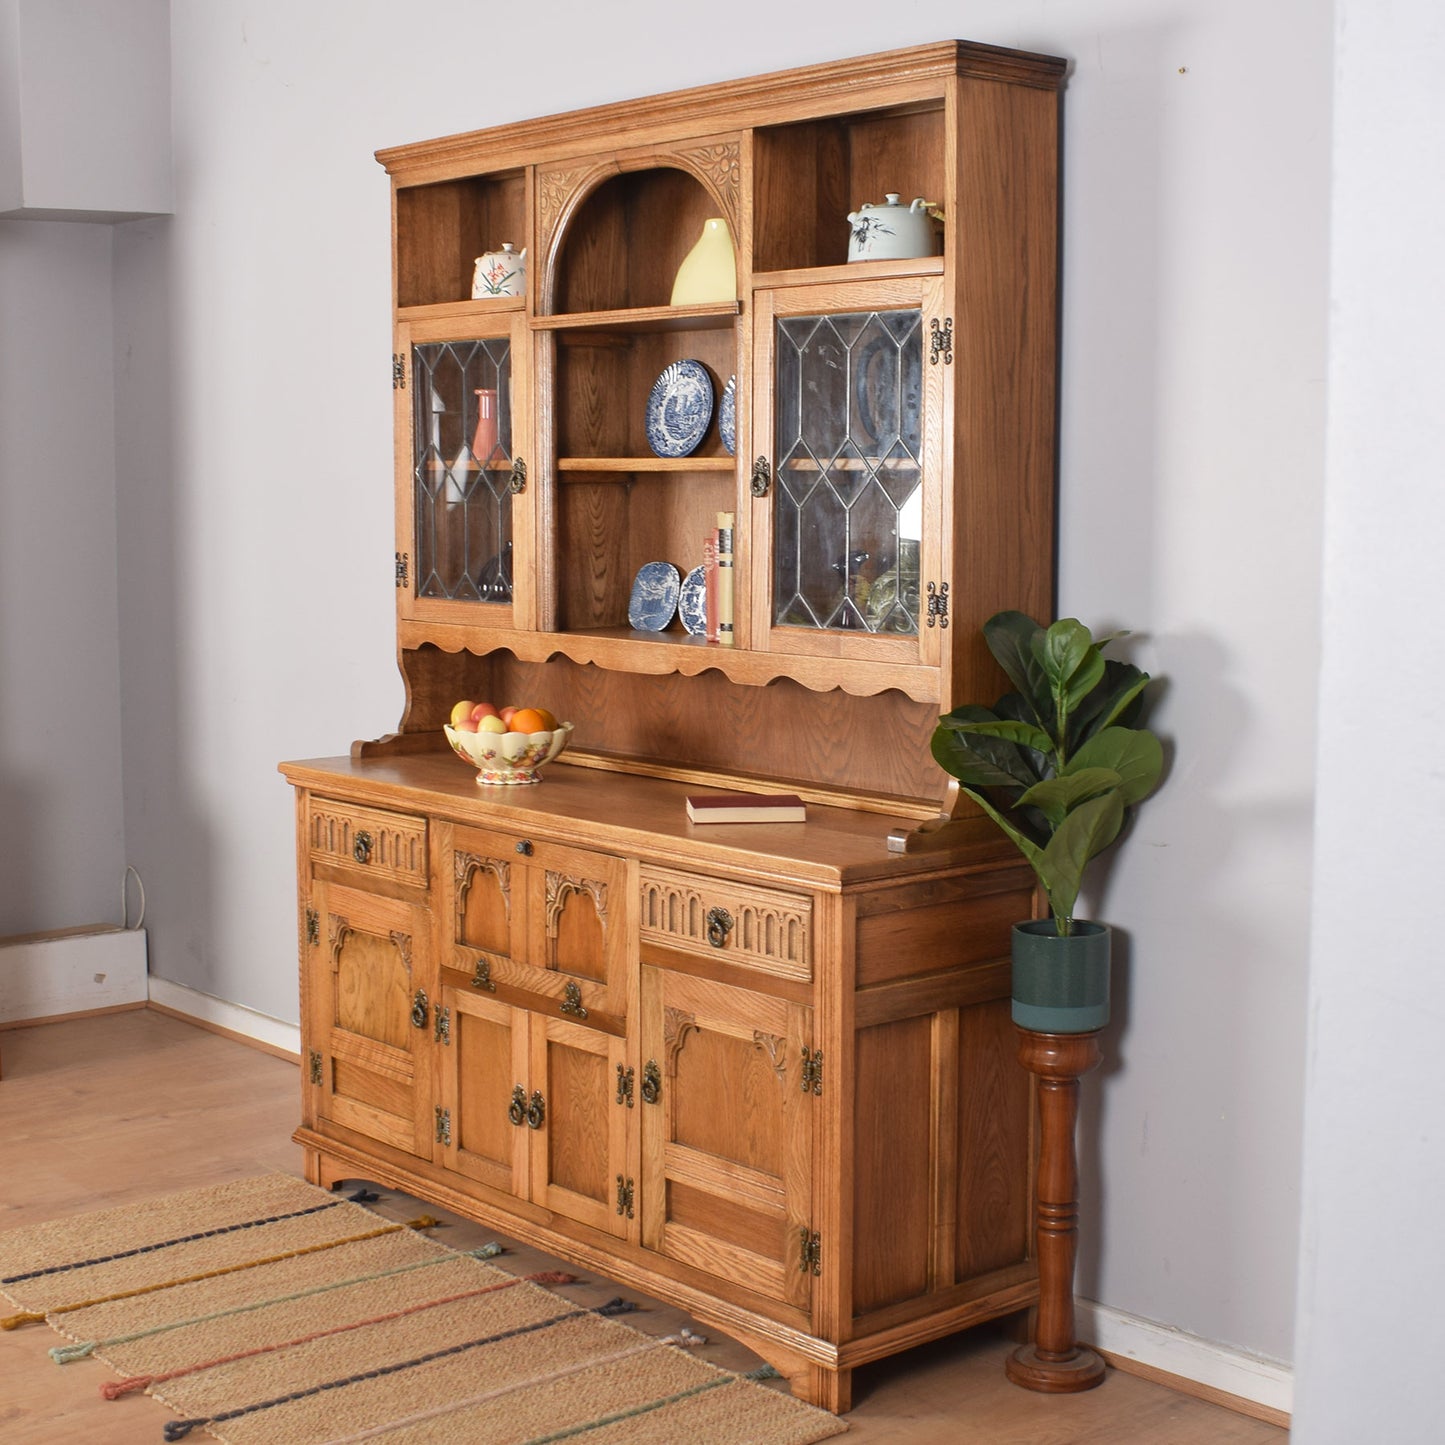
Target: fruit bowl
x=508 y=758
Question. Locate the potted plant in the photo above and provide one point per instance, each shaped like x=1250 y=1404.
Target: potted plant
x=1057 y=764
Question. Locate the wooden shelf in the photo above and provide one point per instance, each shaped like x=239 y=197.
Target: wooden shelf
x=472 y=311
x=646 y=464
x=716 y=316
x=852 y=271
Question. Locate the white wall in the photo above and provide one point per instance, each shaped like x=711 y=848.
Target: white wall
x=255 y=538
x=1372 y=1256
x=62 y=852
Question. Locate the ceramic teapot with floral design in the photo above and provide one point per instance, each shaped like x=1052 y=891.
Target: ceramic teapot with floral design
x=892 y=231
x=500 y=273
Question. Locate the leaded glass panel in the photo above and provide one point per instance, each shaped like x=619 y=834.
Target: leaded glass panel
x=461 y=469
x=848 y=447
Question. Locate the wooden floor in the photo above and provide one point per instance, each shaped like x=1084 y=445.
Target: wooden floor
x=102 y=1111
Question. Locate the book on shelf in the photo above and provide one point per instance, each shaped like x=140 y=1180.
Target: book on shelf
x=746 y=808
x=709 y=585
x=725 y=579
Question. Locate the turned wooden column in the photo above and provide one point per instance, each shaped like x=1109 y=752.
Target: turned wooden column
x=1055 y=1362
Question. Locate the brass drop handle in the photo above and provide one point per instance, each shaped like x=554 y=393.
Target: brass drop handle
x=517 y=1109
x=719 y=925
x=536 y=1111
x=651 y=1082
x=419 y=1009
x=361 y=847
x=762 y=477
x=518 y=480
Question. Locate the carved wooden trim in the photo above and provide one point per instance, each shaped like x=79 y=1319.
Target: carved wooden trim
x=561 y=886
x=677 y=1024
x=721 y=164
x=338 y=930
x=560 y=189
x=772 y=932
x=398 y=843
x=772 y=1046
x=465 y=867
x=402 y=943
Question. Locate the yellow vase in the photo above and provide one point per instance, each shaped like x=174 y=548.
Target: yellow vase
x=709 y=271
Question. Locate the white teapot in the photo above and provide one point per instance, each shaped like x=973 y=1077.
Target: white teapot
x=500 y=273
x=892 y=231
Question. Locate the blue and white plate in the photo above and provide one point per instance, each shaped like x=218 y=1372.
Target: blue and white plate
x=692 y=602
x=679 y=409
x=727 y=416
x=654 y=596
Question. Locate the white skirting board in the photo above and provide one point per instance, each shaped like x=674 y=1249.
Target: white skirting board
x=1265 y=1382
x=233 y=1017
x=75 y=970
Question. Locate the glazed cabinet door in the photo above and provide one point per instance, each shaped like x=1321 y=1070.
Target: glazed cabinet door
x=369 y=1016
x=849 y=411
x=462 y=422
x=540 y=920
x=728 y=1133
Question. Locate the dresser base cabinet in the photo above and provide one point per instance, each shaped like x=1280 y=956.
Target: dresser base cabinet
x=795 y=1111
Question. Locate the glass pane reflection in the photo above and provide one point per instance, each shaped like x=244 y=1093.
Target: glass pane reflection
x=461 y=469
x=848 y=500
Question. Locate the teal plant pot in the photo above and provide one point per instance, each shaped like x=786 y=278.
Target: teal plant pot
x=1060 y=985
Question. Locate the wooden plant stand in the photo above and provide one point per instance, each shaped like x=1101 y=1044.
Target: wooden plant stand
x=1055 y=1362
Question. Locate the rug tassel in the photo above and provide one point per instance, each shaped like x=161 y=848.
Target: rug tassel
x=179 y=1429
x=422 y=1221
x=687 y=1339
x=29 y=1317
x=114 y=1389
x=65 y=1354
x=618 y=1306
x=551 y=1276
x=363 y=1196
x=763 y=1372
x=488 y=1251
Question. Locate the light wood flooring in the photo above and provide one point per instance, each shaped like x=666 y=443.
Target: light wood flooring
x=96 y=1112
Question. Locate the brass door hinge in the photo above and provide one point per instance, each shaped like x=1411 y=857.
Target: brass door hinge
x=442 y=1024
x=313 y=1066
x=812 y=1071
x=810 y=1252
x=313 y=927
x=940 y=342
x=625 y=1192
x=444 y=1125
x=938 y=605
x=403 y=568
x=624 y=1085
x=398 y=371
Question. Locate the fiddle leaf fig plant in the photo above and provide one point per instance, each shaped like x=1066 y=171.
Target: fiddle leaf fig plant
x=1058 y=763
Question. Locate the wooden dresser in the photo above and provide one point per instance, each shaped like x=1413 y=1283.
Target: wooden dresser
x=765 y=1071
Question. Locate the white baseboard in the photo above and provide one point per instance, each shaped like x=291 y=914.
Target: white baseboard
x=1160 y=1347
x=70 y=971
x=232 y=1017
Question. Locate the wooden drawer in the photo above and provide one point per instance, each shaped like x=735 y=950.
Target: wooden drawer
x=369 y=840
x=759 y=928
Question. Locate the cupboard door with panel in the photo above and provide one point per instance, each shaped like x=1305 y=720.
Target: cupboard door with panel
x=728 y=1127
x=369 y=1016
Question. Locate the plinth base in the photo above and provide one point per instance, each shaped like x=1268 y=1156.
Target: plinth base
x=1082 y=1371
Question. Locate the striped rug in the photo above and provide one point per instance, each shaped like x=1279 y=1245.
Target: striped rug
x=268 y=1310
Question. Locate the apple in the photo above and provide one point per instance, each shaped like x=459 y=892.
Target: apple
x=459 y=711
x=466 y=725
x=489 y=724
x=506 y=714
x=481 y=710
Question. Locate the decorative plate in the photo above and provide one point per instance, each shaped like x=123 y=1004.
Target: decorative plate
x=679 y=409
x=692 y=602
x=654 y=596
x=727 y=416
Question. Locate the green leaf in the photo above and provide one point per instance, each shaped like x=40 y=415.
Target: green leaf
x=1010 y=637
x=1015 y=732
x=1055 y=798
x=980 y=762
x=1083 y=835
x=1032 y=852
x=1135 y=754
x=1073 y=664
x=1116 y=699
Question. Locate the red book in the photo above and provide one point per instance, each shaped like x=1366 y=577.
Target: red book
x=709 y=578
x=746 y=808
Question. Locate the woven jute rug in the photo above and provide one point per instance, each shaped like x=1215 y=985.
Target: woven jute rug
x=268 y=1310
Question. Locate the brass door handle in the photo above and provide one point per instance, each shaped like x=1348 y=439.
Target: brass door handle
x=719 y=925
x=419 y=1009
x=536 y=1111
x=361 y=847
x=517 y=1109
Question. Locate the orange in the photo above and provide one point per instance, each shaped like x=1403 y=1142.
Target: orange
x=530 y=720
